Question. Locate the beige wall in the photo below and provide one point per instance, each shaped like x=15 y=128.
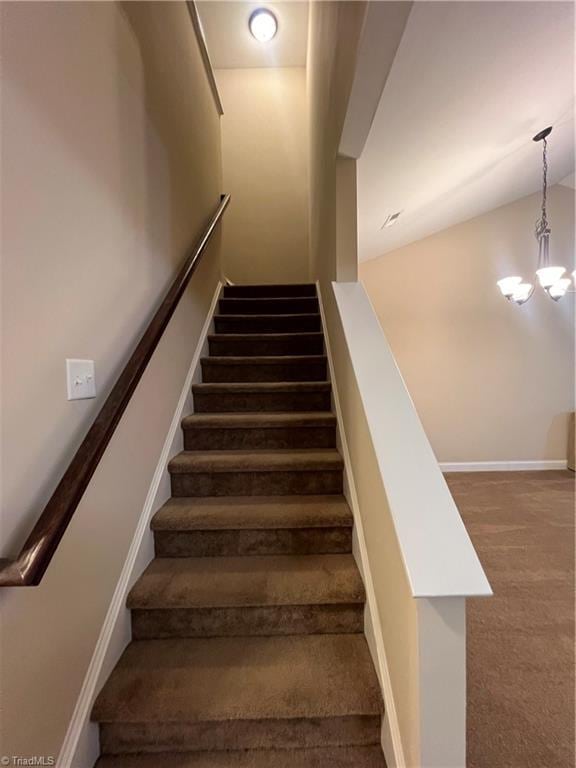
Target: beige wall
x=264 y=152
x=333 y=36
x=396 y=611
x=334 y=33
x=490 y=381
x=110 y=168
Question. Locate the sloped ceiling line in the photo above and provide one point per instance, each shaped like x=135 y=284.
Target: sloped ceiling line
x=470 y=84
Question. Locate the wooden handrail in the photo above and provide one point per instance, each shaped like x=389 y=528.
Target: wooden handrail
x=30 y=565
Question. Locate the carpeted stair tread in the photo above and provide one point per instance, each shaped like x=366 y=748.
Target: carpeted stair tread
x=257 y=513
x=259 y=336
x=277 y=317
x=262 y=369
x=226 y=582
x=261 y=387
x=329 y=757
x=188 y=462
x=279 y=368
x=262 y=344
x=265 y=360
x=258 y=396
x=285 y=323
x=282 y=305
x=259 y=420
x=253 y=525
x=270 y=290
x=240 y=679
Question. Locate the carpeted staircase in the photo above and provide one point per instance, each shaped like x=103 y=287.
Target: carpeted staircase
x=247 y=646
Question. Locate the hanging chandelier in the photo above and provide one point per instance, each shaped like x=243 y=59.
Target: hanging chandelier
x=550 y=277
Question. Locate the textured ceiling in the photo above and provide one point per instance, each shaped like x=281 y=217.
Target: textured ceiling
x=470 y=85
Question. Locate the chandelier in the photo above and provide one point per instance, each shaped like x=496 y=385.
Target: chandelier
x=550 y=277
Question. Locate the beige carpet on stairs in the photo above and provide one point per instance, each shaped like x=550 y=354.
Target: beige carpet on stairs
x=343 y=757
x=247 y=627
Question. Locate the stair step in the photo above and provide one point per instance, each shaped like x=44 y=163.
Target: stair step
x=269 y=291
x=268 y=323
x=211 y=527
x=330 y=757
x=261 y=461
x=233 y=596
x=264 y=369
x=263 y=431
x=240 y=693
x=248 y=646
x=261 y=473
x=262 y=397
x=259 y=513
x=269 y=306
x=262 y=344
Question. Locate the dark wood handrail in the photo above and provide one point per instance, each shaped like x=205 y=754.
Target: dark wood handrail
x=30 y=565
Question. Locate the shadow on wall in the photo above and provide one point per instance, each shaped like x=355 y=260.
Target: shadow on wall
x=111 y=168
x=124 y=190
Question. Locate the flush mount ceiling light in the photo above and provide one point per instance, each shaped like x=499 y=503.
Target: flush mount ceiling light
x=263 y=25
x=549 y=276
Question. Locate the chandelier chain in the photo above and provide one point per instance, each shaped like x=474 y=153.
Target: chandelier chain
x=542 y=226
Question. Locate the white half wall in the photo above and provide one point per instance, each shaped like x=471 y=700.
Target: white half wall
x=416 y=558
x=442 y=682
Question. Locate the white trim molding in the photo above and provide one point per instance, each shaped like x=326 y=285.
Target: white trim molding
x=502 y=466
x=203 y=47
x=80 y=748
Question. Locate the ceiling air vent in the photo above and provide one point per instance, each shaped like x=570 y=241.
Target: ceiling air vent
x=392 y=219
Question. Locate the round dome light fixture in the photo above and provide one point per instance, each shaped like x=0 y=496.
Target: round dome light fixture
x=263 y=25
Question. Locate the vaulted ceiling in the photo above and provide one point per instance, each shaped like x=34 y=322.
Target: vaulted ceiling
x=470 y=85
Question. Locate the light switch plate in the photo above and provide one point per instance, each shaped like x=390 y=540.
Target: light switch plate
x=80 y=379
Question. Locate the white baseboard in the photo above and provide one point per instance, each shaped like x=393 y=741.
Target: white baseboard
x=391 y=739
x=501 y=466
x=80 y=748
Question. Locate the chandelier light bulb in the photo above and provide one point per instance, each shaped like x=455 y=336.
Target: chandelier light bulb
x=522 y=293
x=559 y=288
x=548 y=276
x=508 y=285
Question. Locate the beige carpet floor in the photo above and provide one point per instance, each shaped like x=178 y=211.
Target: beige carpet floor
x=521 y=641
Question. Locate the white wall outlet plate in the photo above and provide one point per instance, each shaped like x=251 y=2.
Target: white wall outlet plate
x=80 y=379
